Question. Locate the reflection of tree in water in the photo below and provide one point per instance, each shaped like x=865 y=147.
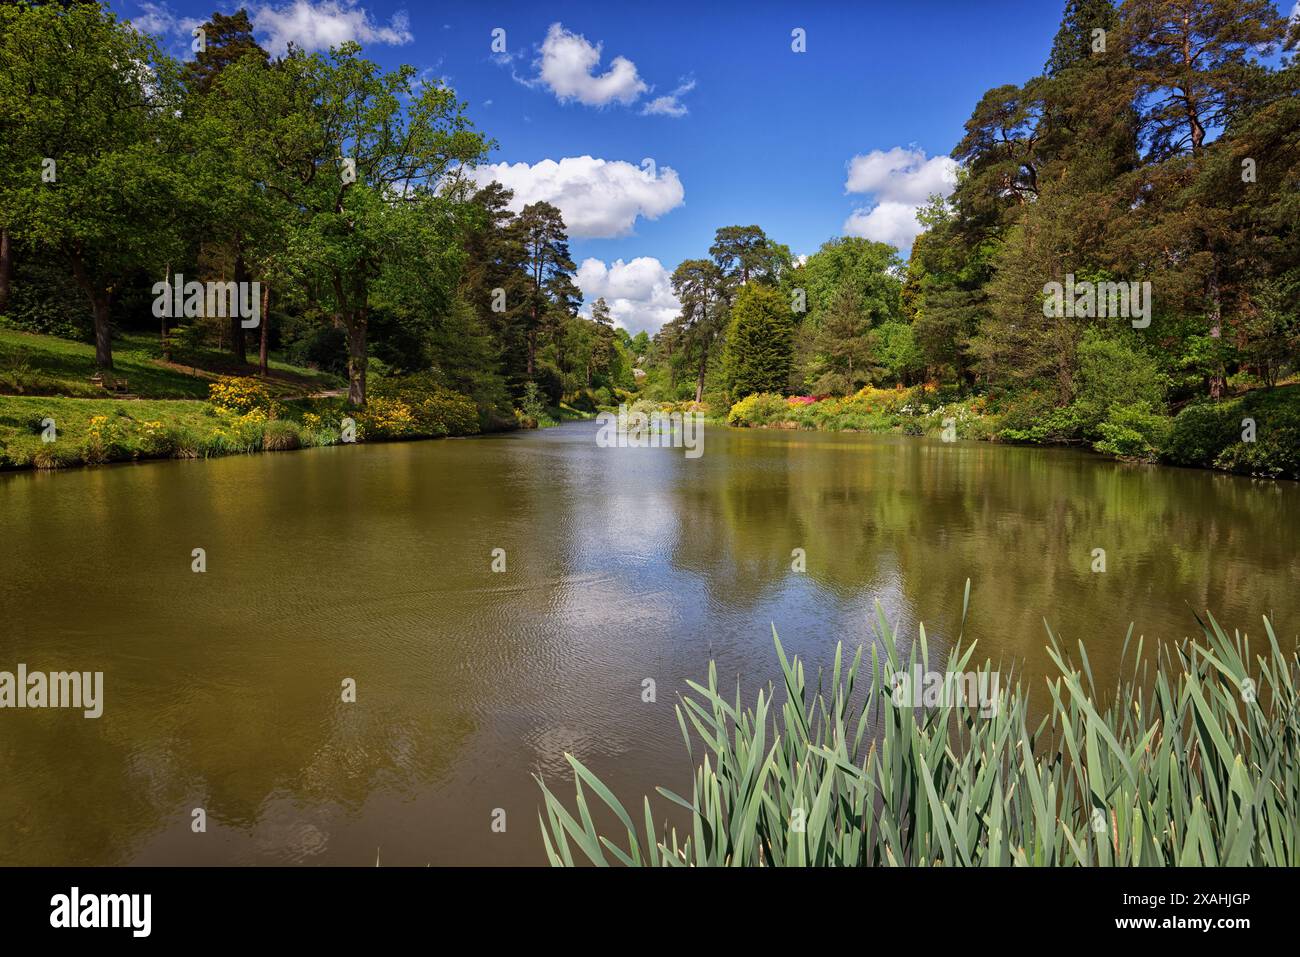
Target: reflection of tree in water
x=1020 y=523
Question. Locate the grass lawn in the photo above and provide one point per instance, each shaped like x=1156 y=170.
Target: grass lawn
x=46 y=378
x=33 y=364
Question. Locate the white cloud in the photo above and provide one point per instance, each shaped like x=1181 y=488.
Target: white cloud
x=900 y=181
x=670 y=105
x=324 y=24
x=639 y=293
x=599 y=198
x=158 y=19
x=569 y=66
x=566 y=68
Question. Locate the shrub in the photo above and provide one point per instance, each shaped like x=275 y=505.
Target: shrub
x=1198 y=434
x=386 y=418
x=1275 y=452
x=761 y=408
x=435 y=411
x=1034 y=418
x=239 y=394
x=1113 y=371
x=1132 y=432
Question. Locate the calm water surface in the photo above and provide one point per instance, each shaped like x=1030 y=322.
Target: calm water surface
x=222 y=690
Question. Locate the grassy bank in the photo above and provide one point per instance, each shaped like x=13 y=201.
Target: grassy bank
x=1257 y=433
x=1196 y=764
x=98 y=431
x=53 y=415
x=40 y=365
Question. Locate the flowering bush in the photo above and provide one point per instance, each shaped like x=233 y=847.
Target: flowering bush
x=434 y=410
x=386 y=418
x=761 y=408
x=239 y=394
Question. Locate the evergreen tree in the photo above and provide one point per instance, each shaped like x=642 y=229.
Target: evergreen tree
x=760 y=342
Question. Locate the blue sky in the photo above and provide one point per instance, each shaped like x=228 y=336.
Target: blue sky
x=845 y=138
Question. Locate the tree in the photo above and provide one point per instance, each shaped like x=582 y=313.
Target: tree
x=604 y=353
x=850 y=263
x=494 y=279
x=238 y=216
x=552 y=293
x=701 y=288
x=840 y=356
x=760 y=342
x=1194 y=75
x=227 y=39
x=1191 y=59
x=91 y=130
x=358 y=162
x=743 y=253
x=1075 y=40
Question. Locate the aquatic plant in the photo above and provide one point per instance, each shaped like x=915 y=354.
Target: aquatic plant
x=1192 y=759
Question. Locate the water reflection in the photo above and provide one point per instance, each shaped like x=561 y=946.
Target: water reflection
x=223 y=689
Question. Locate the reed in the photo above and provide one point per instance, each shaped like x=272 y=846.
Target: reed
x=1192 y=759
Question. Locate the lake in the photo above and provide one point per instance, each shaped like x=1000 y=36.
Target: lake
x=222 y=690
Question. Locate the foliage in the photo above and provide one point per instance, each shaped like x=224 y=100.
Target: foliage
x=823 y=778
x=760 y=342
x=759 y=408
x=99 y=431
x=1132 y=432
x=434 y=411
x=239 y=394
x=1213 y=435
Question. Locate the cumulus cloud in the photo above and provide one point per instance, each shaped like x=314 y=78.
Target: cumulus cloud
x=639 y=293
x=899 y=181
x=599 y=198
x=567 y=66
x=324 y=24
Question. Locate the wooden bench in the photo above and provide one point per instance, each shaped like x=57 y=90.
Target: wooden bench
x=110 y=383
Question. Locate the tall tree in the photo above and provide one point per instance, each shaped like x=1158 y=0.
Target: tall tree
x=227 y=39
x=743 y=253
x=551 y=292
x=91 y=112
x=238 y=216
x=701 y=288
x=358 y=160
x=760 y=342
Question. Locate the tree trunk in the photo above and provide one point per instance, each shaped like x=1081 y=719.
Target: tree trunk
x=532 y=350
x=100 y=301
x=1216 y=331
x=699 y=383
x=6 y=269
x=238 y=345
x=356 y=327
x=266 y=322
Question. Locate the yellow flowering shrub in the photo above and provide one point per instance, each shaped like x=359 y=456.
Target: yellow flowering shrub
x=239 y=394
x=386 y=418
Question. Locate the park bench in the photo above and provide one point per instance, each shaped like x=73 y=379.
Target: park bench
x=110 y=383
